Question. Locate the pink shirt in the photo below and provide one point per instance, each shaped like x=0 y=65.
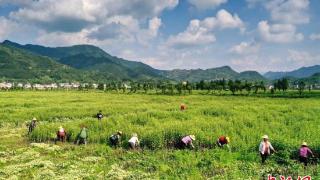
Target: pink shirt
x=304 y=151
x=187 y=140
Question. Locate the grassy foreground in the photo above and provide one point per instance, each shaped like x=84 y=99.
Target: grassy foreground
x=159 y=123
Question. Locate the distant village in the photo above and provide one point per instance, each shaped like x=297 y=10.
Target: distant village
x=52 y=86
x=77 y=86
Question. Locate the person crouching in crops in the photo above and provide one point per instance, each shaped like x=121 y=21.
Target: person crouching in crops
x=61 y=135
x=32 y=125
x=183 y=107
x=186 y=142
x=304 y=153
x=115 y=139
x=99 y=115
x=223 y=141
x=82 y=136
x=265 y=148
x=134 y=141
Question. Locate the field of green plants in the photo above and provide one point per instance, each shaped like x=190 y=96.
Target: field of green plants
x=159 y=124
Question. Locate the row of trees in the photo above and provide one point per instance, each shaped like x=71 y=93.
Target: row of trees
x=168 y=87
x=216 y=86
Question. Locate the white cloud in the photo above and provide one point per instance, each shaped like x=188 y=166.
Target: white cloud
x=154 y=25
x=315 y=36
x=278 y=33
x=207 y=4
x=302 y=58
x=201 y=32
x=8 y=28
x=245 y=48
x=76 y=15
x=195 y=35
x=289 y=11
x=67 y=39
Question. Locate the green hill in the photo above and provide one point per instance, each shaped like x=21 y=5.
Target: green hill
x=97 y=65
x=224 y=72
x=22 y=65
x=93 y=59
x=250 y=76
x=314 y=79
x=298 y=73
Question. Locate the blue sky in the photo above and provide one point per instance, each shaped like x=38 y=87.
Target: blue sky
x=262 y=35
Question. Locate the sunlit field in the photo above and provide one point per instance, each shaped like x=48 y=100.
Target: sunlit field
x=159 y=124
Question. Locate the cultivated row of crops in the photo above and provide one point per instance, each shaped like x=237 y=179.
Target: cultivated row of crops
x=160 y=124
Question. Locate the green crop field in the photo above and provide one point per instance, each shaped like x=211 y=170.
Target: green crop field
x=159 y=124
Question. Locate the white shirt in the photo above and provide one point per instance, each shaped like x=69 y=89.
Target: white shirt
x=262 y=147
x=134 y=140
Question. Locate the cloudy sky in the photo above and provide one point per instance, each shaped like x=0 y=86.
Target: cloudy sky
x=257 y=35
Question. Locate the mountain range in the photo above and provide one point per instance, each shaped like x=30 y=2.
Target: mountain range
x=302 y=72
x=87 y=63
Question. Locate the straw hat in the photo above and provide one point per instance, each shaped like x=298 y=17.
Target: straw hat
x=135 y=135
x=120 y=132
x=34 y=119
x=265 y=137
x=228 y=139
x=304 y=144
x=193 y=137
x=60 y=127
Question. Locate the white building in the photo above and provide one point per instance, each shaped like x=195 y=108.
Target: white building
x=6 y=85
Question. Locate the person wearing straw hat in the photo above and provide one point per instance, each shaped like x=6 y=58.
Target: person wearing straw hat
x=265 y=148
x=223 y=140
x=115 y=139
x=134 y=141
x=304 y=153
x=186 y=142
x=32 y=125
x=61 y=135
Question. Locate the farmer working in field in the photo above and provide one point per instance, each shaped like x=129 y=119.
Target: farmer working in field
x=99 y=115
x=304 y=153
x=183 y=107
x=61 y=134
x=115 y=139
x=32 y=125
x=265 y=148
x=134 y=141
x=223 y=140
x=186 y=142
x=82 y=136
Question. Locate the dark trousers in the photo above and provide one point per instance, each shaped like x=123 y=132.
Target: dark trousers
x=264 y=157
x=113 y=142
x=303 y=160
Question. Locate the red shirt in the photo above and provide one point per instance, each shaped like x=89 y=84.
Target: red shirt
x=223 y=140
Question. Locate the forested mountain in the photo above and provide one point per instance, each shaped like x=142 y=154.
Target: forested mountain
x=90 y=63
